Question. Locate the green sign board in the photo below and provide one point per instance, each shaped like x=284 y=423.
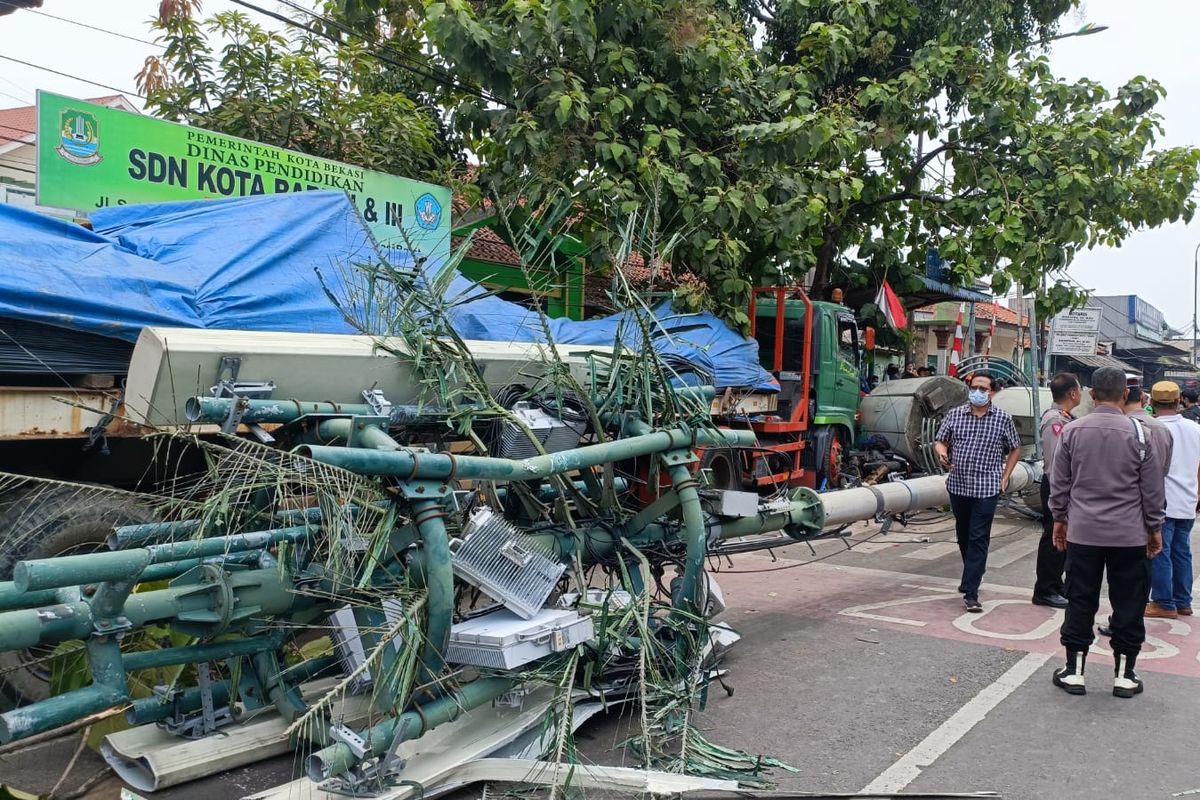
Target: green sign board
x=91 y=156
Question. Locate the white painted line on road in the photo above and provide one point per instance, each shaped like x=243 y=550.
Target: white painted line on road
x=1012 y=552
x=933 y=551
x=899 y=775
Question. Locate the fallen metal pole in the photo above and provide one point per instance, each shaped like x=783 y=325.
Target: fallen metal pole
x=898 y=497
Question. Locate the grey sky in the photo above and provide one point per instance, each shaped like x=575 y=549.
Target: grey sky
x=1157 y=38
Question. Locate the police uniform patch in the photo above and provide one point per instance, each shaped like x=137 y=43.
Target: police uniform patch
x=1056 y=427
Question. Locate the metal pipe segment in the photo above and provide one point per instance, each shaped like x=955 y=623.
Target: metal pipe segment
x=337 y=758
x=215 y=410
x=415 y=465
x=204 y=606
x=53 y=573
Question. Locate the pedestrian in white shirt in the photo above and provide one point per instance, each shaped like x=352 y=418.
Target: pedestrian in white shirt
x=1171 y=570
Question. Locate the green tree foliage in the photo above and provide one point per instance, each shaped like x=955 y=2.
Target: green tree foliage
x=295 y=89
x=774 y=137
x=768 y=138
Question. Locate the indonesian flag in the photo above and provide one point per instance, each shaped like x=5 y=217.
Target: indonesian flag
x=956 y=352
x=892 y=308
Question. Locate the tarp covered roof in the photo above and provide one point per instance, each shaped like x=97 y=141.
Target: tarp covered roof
x=252 y=264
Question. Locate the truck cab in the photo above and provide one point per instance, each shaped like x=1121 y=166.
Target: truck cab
x=814 y=349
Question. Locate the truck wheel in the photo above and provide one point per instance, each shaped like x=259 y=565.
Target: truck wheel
x=829 y=472
x=41 y=522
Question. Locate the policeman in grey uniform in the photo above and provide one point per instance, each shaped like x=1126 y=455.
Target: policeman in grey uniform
x=1067 y=394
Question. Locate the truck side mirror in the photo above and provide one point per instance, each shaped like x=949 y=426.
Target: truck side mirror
x=868 y=338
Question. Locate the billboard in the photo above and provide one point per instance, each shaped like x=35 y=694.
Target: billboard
x=91 y=156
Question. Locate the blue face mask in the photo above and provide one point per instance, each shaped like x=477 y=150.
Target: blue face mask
x=978 y=397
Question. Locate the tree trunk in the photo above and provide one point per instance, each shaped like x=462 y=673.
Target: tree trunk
x=825 y=257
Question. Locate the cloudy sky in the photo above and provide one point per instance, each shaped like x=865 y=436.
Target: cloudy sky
x=1157 y=38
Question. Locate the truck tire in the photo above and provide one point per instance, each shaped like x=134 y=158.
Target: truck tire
x=41 y=522
x=829 y=447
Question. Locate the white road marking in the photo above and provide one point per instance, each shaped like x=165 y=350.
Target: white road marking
x=966 y=622
x=900 y=774
x=861 y=611
x=933 y=551
x=1012 y=552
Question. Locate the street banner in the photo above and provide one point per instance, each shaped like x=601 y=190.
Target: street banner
x=91 y=156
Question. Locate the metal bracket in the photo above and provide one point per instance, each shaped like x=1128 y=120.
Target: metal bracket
x=378 y=403
x=97 y=433
x=371 y=776
x=514 y=698
x=197 y=724
x=676 y=457
x=392 y=761
x=346 y=736
x=230 y=386
x=112 y=626
x=423 y=490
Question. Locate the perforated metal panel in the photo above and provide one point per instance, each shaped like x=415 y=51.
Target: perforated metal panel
x=552 y=433
x=495 y=556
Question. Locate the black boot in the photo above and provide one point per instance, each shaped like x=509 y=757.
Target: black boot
x=1070 y=677
x=1126 y=683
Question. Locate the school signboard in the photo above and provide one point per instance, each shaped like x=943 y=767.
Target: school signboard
x=91 y=156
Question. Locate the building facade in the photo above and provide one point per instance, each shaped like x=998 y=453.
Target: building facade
x=997 y=331
x=1135 y=333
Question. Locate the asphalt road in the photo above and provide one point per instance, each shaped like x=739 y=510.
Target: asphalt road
x=863 y=671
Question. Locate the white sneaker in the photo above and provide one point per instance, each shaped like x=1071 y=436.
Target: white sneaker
x=1126 y=683
x=1069 y=678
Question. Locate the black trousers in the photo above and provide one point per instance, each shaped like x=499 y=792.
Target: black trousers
x=1050 y=562
x=973 y=528
x=1128 y=588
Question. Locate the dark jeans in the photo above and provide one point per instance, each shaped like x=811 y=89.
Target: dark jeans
x=973 y=527
x=1050 y=562
x=1128 y=587
x=1171 y=570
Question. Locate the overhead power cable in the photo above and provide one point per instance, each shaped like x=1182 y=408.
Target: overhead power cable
x=14 y=168
x=72 y=77
x=77 y=22
x=413 y=66
x=18 y=99
x=12 y=165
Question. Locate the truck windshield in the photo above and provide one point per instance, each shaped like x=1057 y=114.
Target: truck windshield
x=848 y=338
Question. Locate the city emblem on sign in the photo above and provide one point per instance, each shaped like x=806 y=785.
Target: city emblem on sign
x=80 y=140
x=429 y=212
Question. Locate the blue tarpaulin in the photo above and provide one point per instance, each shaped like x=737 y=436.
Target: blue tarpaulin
x=252 y=264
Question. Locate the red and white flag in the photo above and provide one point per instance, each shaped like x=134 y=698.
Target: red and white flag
x=892 y=308
x=956 y=351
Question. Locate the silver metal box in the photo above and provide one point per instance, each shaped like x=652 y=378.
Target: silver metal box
x=502 y=640
x=729 y=503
